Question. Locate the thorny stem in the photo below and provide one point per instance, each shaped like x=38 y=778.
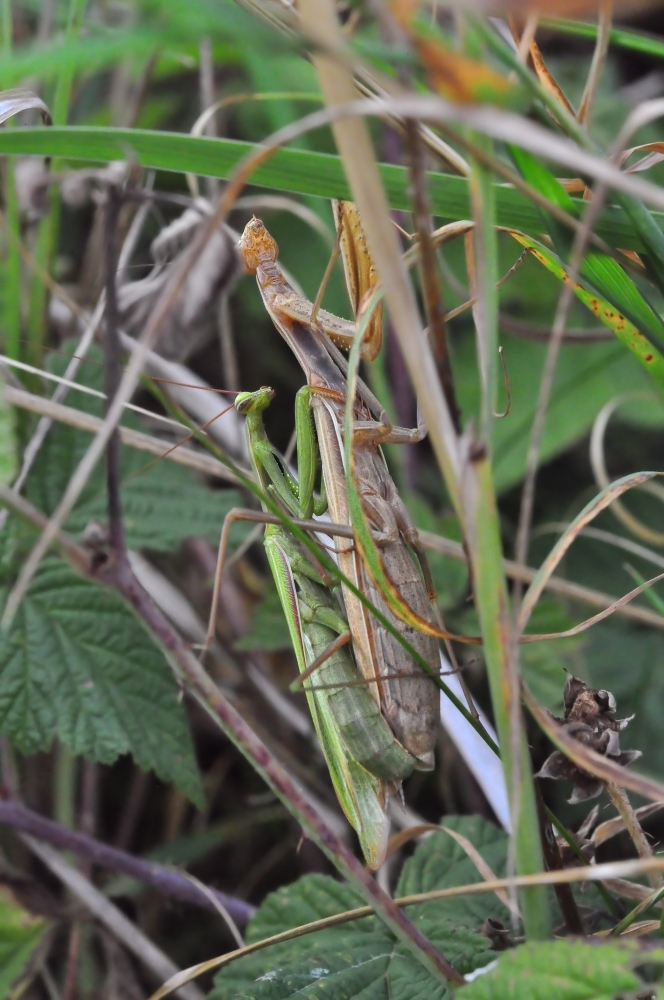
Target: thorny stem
x=172 y=883
x=113 y=373
x=624 y=806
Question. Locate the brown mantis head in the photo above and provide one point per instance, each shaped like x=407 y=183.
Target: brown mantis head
x=256 y=246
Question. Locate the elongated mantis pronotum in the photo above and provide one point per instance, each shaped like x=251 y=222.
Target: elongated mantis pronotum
x=407 y=695
x=364 y=758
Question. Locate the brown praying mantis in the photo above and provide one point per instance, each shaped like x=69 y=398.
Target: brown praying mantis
x=408 y=697
x=406 y=722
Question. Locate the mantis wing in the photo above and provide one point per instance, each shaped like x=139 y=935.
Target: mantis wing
x=362 y=796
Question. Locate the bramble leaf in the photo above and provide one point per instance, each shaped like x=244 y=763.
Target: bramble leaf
x=78 y=665
x=362 y=958
x=566 y=970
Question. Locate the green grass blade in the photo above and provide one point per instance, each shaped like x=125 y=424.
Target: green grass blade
x=630 y=335
x=46 y=237
x=295 y=170
x=637 y=41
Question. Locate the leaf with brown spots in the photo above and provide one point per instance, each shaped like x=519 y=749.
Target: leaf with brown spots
x=605 y=312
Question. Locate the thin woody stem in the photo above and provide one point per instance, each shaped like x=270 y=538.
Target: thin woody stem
x=428 y=268
x=624 y=806
x=113 y=373
x=172 y=883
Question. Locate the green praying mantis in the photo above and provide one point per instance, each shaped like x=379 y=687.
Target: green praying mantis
x=407 y=696
x=375 y=709
x=364 y=758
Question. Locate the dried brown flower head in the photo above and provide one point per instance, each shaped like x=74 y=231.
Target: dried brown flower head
x=589 y=718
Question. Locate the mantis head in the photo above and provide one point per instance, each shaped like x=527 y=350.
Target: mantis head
x=254 y=402
x=256 y=246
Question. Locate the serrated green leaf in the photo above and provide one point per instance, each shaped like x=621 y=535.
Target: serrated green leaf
x=20 y=935
x=356 y=959
x=441 y=863
x=299 y=171
x=557 y=970
x=78 y=665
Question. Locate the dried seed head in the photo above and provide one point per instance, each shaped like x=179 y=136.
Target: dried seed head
x=589 y=718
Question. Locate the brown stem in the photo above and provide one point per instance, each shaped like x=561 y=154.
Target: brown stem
x=113 y=372
x=171 y=883
x=624 y=806
x=554 y=862
x=71 y=973
x=428 y=267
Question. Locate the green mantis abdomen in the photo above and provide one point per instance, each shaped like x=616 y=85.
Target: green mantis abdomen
x=366 y=734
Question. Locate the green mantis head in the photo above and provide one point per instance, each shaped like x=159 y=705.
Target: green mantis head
x=254 y=402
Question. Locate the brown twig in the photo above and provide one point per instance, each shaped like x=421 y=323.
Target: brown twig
x=113 y=372
x=621 y=801
x=429 y=269
x=172 y=883
x=554 y=862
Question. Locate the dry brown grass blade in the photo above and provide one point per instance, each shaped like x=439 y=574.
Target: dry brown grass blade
x=612 y=827
x=587 y=760
x=589 y=512
x=557 y=8
x=656 y=155
x=556 y=584
x=598 y=465
x=13 y=102
x=206 y=464
x=589 y=622
x=604 y=20
x=613 y=870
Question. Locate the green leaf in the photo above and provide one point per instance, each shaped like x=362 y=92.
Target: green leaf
x=557 y=970
x=268 y=630
x=78 y=665
x=165 y=25
x=362 y=958
x=355 y=959
x=637 y=41
x=296 y=170
x=20 y=935
x=441 y=863
x=624 y=294
x=587 y=377
x=613 y=282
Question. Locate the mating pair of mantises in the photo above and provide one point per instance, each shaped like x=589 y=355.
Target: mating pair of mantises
x=374 y=707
